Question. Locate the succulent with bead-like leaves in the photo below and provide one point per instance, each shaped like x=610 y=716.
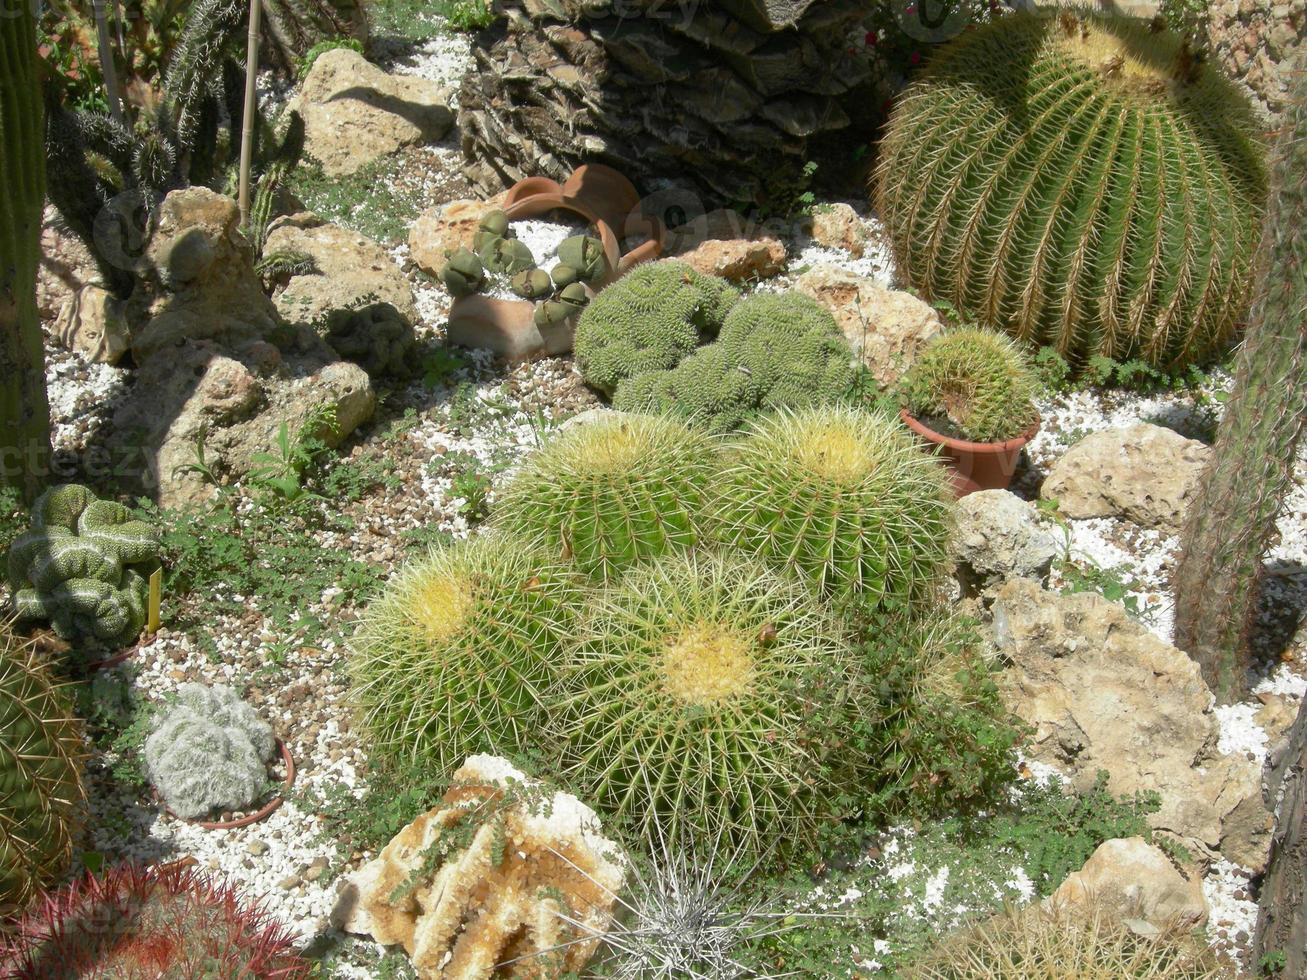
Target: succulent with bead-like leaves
x=613 y=492
x=453 y=658
x=83 y=566
x=977 y=381
x=41 y=754
x=843 y=496
x=1078 y=180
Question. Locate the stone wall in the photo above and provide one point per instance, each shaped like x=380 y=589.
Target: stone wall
x=719 y=97
x=1255 y=42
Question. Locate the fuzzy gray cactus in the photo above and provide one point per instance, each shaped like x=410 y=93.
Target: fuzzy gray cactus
x=209 y=753
x=83 y=566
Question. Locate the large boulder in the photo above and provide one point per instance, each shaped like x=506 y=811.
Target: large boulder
x=887 y=328
x=1144 y=473
x=354 y=113
x=93 y=322
x=445 y=228
x=1103 y=693
x=723 y=243
x=998 y=537
x=522 y=871
x=1136 y=880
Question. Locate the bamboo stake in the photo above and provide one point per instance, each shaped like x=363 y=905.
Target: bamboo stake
x=247 y=122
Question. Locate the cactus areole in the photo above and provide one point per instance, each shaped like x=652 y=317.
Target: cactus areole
x=1080 y=181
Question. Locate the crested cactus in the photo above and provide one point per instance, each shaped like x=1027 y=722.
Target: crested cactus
x=1232 y=522
x=506 y=256
x=163 y=921
x=40 y=771
x=650 y=319
x=210 y=752
x=703 y=702
x=613 y=492
x=463 y=273
x=83 y=566
x=843 y=496
x=975 y=380
x=585 y=255
x=1077 y=180
x=707 y=390
x=453 y=658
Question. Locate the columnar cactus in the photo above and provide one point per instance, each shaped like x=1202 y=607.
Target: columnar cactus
x=40 y=773
x=1232 y=521
x=1077 y=180
x=844 y=497
x=83 y=566
x=614 y=492
x=453 y=658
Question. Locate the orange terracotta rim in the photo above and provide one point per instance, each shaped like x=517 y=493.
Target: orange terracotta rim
x=262 y=813
x=965 y=446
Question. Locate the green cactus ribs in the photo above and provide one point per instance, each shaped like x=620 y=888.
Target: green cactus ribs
x=1077 y=180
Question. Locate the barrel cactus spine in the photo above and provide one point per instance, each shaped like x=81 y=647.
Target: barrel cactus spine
x=1077 y=180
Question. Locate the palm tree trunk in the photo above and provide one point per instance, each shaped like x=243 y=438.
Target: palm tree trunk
x=247 y=122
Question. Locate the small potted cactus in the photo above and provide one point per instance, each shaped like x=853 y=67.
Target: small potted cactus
x=971 y=395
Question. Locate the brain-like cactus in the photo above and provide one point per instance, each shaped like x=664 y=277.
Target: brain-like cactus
x=83 y=566
x=377 y=337
x=209 y=753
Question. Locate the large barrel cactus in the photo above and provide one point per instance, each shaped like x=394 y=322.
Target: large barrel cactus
x=1081 y=181
x=41 y=789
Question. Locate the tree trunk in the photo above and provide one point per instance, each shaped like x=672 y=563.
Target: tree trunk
x=24 y=410
x=1282 y=920
x=1232 y=519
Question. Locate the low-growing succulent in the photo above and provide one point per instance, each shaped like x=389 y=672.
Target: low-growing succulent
x=650 y=319
x=704 y=700
x=131 y=922
x=568 y=302
x=613 y=492
x=376 y=337
x=41 y=792
x=451 y=660
x=975 y=382
x=585 y=255
x=493 y=226
x=564 y=275
x=707 y=390
x=463 y=273
x=843 y=496
x=506 y=256
x=209 y=753
x=83 y=566
x=532 y=283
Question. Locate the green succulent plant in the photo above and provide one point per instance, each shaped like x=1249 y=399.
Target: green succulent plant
x=976 y=381
x=703 y=700
x=567 y=302
x=564 y=275
x=463 y=273
x=453 y=658
x=650 y=319
x=507 y=256
x=707 y=390
x=532 y=284
x=844 y=497
x=40 y=772
x=1077 y=180
x=613 y=492
x=83 y=566
x=585 y=255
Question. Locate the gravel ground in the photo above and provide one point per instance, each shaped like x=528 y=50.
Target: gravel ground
x=484 y=417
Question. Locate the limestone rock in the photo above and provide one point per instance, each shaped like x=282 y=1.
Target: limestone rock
x=354 y=113
x=998 y=537
x=348 y=268
x=739 y=259
x=1102 y=692
x=886 y=328
x=838 y=226
x=444 y=228
x=67 y=266
x=93 y=322
x=1143 y=472
x=529 y=856
x=1138 y=881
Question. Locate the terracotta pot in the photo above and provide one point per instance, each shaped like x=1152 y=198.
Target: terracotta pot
x=974 y=465
x=259 y=814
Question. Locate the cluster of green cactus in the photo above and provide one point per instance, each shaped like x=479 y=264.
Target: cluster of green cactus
x=774 y=350
x=83 y=566
x=560 y=295
x=976 y=381
x=1077 y=180
x=634 y=612
x=40 y=772
x=610 y=493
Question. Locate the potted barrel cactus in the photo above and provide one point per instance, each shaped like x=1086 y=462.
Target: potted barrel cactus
x=971 y=396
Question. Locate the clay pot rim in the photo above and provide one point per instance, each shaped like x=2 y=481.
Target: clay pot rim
x=266 y=810
x=966 y=446
x=115 y=660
